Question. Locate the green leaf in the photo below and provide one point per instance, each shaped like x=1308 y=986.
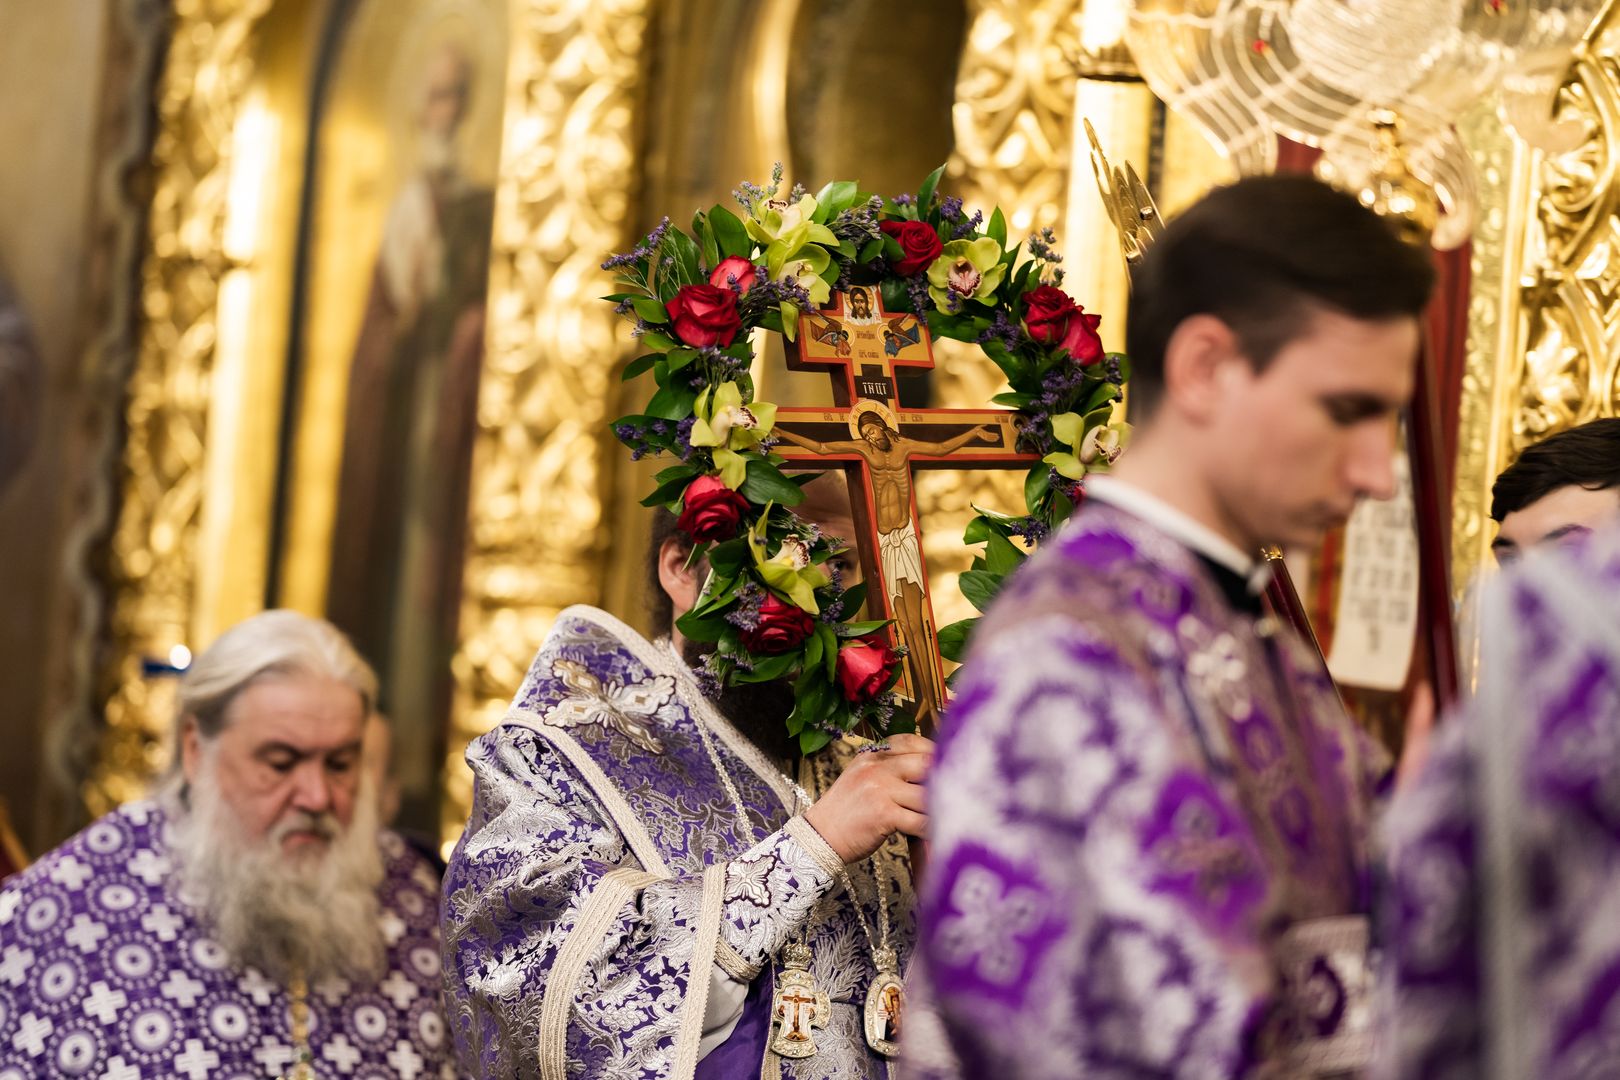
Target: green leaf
x=652 y=339
x=696 y=628
x=860 y=629
x=1001 y=556
x=765 y=484
x=812 y=740
x=834 y=199
x=650 y=310
x=953 y=639
x=997 y=229
x=770 y=670
x=672 y=403
x=707 y=246
x=675 y=472
x=678 y=359
x=905 y=723
x=619 y=297
x=1014 y=401
x=687 y=256
x=829 y=646
x=1036 y=484
x=895 y=296
x=729 y=235
x=813 y=648
x=979 y=587
x=720 y=592
x=870 y=250
x=1124 y=364
x=892 y=248
x=925 y=194
x=730 y=556
x=639 y=366
x=854 y=598
x=667 y=492
x=1106 y=394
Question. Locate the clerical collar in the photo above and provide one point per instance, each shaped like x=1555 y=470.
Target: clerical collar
x=1241 y=577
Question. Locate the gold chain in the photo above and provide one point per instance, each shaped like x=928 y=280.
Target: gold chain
x=303 y=1067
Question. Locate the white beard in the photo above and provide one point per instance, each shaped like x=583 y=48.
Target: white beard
x=315 y=914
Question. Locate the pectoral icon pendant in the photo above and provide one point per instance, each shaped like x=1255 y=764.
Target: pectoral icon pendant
x=798 y=1006
x=885 y=1001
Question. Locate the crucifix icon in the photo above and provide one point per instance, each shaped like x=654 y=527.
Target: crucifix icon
x=863 y=347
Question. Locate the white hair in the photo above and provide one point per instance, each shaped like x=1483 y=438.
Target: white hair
x=271 y=644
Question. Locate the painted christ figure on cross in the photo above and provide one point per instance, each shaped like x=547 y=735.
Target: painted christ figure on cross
x=862 y=347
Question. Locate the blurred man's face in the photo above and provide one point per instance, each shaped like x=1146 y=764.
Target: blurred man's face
x=1559 y=516
x=287 y=763
x=859 y=305
x=875 y=435
x=1297 y=445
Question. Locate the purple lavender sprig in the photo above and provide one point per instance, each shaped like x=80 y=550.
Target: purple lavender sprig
x=642 y=253
x=1039 y=246
x=751 y=196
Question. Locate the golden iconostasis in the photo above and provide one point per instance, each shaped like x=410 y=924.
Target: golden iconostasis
x=372 y=378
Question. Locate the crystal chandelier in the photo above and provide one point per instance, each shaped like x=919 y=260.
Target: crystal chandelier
x=1364 y=80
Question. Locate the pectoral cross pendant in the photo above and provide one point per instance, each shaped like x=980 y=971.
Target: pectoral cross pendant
x=798 y=1006
x=885 y=1002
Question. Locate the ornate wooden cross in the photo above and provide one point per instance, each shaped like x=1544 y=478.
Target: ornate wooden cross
x=863 y=347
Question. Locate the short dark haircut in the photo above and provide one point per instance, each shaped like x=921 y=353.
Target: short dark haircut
x=659 y=605
x=1264 y=255
x=1587 y=456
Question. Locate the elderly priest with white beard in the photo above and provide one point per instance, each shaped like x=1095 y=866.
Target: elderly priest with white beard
x=250 y=920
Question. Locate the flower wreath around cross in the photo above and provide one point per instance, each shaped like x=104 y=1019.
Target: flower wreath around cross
x=772 y=604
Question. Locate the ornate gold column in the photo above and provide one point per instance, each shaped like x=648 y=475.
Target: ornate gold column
x=152 y=562
x=569 y=171
x=1544 y=327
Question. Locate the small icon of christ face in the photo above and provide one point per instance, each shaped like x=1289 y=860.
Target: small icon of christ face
x=860 y=304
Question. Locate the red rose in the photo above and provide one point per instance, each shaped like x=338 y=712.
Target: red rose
x=710 y=510
x=919 y=243
x=782 y=626
x=1053 y=319
x=865 y=666
x=705 y=315
x=734 y=266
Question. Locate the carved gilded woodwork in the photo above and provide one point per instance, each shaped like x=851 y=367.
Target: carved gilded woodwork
x=1014 y=118
x=1544 y=325
x=153 y=552
x=536 y=534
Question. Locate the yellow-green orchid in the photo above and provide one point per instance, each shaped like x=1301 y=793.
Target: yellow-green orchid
x=1104 y=442
x=726 y=424
x=966 y=270
x=784 y=228
x=789 y=571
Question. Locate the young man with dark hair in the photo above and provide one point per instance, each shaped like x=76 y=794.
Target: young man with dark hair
x=1562 y=487
x=645 y=866
x=1147 y=814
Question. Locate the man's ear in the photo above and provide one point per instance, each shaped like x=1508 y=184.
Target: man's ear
x=679 y=580
x=191 y=748
x=1202 y=362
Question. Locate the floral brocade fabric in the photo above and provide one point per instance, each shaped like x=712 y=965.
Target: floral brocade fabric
x=107 y=971
x=1146 y=822
x=599 y=770
x=1500 y=926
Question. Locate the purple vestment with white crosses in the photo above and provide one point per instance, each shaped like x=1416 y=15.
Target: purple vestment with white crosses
x=1146 y=824
x=1501 y=919
x=604 y=877
x=107 y=972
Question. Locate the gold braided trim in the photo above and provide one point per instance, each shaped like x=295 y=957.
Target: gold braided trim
x=596 y=917
x=821 y=851
x=704 y=953
x=630 y=826
x=732 y=963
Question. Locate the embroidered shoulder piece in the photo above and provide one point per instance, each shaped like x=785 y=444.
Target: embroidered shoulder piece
x=625 y=708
